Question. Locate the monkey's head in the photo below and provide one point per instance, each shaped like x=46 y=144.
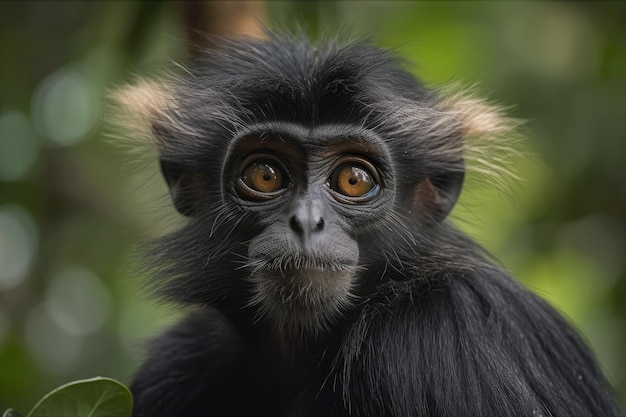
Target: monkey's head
x=299 y=167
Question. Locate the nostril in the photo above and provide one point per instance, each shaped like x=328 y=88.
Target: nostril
x=302 y=225
x=295 y=225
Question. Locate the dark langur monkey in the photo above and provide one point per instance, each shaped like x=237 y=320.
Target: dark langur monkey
x=316 y=180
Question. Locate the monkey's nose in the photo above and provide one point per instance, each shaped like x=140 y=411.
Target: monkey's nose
x=307 y=217
x=302 y=225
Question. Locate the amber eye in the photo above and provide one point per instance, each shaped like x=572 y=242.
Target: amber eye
x=355 y=179
x=261 y=179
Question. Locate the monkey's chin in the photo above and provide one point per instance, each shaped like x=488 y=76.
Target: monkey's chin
x=302 y=302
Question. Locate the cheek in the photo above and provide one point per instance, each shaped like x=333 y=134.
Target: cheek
x=356 y=218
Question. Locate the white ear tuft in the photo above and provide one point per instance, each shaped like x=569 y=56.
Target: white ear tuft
x=136 y=106
x=491 y=139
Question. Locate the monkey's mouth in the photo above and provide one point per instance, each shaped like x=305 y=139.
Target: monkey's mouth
x=301 y=282
x=309 y=276
x=300 y=294
x=296 y=265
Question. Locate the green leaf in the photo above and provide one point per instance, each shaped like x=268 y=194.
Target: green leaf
x=95 y=397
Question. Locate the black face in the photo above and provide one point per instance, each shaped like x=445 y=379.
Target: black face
x=313 y=193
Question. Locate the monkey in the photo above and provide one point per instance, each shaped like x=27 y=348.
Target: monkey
x=322 y=273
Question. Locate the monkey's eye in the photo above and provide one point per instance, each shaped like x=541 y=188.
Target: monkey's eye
x=355 y=179
x=262 y=178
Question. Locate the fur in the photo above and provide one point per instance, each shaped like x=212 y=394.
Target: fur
x=411 y=319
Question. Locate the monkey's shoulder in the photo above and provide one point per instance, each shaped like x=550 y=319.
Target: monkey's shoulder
x=470 y=336
x=486 y=308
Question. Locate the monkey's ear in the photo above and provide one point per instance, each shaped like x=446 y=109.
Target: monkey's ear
x=181 y=184
x=487 y=143
x=436 y=196
x=141 y=115
x=181 y=181
x=490 y=139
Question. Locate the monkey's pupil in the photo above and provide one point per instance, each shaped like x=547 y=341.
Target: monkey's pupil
x=267 y=177
x=352 y=181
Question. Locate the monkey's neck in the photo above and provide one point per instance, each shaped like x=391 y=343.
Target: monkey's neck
x=303 y=352
x=296 y=351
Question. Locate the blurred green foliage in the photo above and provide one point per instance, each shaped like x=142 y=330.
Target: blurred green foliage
x=70 y=304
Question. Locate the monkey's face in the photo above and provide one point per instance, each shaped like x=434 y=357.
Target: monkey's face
x=312 y=194
x=313 y=163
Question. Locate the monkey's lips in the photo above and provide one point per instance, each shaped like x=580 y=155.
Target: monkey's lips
x=323 y=276
x=302 y=299
x=294 y=266
x=309 y=286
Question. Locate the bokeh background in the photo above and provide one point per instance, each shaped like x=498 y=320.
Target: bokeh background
x=74 y=206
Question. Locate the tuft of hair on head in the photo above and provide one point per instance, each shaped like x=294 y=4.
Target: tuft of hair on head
x=491 y=139
x=134 y=109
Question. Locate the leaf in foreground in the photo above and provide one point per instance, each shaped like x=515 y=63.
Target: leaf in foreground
x=95 y=397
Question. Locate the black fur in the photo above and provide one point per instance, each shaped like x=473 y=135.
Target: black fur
x=430 y=327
